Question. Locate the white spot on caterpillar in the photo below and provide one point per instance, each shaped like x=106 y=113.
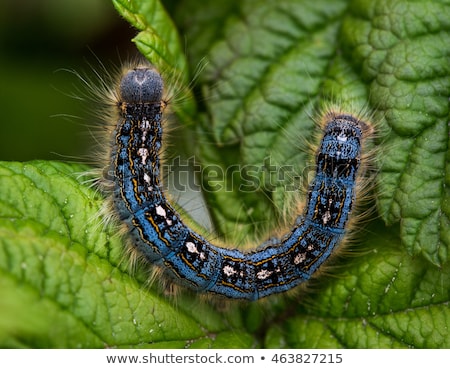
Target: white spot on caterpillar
x=160 y=211
x=191 y=247
x=299 y=258
x=145 y=124
x=147 y=179
x=342 y=137
x=143 y=153
x=193 y=250
x=228 y=270
x=263 y=274
x=326 y=217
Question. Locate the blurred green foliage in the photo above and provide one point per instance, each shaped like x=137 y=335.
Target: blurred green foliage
x=38 y=39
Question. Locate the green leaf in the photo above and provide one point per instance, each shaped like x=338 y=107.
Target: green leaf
x=272 y=66
x=384 y=299
x=402 y=50
x=64 y=279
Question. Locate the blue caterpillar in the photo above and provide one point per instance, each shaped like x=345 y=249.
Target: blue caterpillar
x=161 y=236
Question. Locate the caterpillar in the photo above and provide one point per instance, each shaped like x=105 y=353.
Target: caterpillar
x=163 y=239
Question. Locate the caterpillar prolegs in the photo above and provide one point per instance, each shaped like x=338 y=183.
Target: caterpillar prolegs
x=160 y=235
